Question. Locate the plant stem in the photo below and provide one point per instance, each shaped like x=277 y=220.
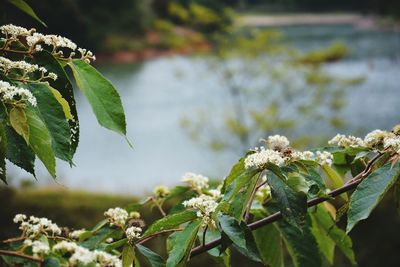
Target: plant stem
x=19 y=255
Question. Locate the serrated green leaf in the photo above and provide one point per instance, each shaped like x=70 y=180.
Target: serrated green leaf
x=64 y=86
x=240 y=235
x=52 y=114
x=300 y=243
x=40 y=141
x=24 y=7
x=342 y=241
x=181 y=245
x=101 y=94
x=269 y=243
x=3 y=148
x=18 y=151
x=292 y=204
x=154 y=259
x=325 y=243
x=128 y=256
x=370 y=192
x=19 y=122
x=170 y=221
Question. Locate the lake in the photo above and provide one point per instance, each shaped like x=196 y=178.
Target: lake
x=157 y=94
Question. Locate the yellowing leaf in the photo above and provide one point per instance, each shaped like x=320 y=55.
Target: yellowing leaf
x=19 y=122
x=64 y=104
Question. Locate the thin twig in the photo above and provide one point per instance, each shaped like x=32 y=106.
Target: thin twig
x=312 y=202
x=15 y=239
x=152 y=199
x=148 y=238
x=19 y=255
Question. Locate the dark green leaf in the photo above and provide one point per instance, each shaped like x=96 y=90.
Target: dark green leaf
x=342 y=241
x=18 y=151
x=51 y=262
x=154 y=259
x=128 y=256
x=240 y=235
x=40 y=141
x=170 y=221
x=99 y=237
x=51 y=112
x=235 y=172
x=181 y=245
x=292 y=204
x=300 y=243
x=269 y=243
x=370 y=192
x=24 y=7
x=64 y=86
x=101 y=94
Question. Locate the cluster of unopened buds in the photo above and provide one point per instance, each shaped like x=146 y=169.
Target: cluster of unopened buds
x=15 y=37
x=11 y=94
x=24 y=71
x=279 y=153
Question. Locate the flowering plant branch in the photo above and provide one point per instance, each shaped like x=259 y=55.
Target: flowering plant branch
x=269 y=184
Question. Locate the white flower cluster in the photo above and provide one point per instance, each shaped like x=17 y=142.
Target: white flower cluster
x=346 y=141
x=81 y=255
x=8 y=92
x=38 y=247
x=35 y=40
x=376 y=138
x=280 y=153
x=76 y=234
x=262 y=156
x=34 y=226
x=215 y=193
x=324 y=158
x=392 y=142
x=195 y=181
x=14 y=31
x=133 y=233
x=205 y=206
x=116 y=216
x=7 y=65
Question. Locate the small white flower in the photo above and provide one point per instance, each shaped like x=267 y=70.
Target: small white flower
x=195 y=181
x=215 y=193
x=262 y=157
x=38 y=247
x=133 y=233
x=324 y=158
x=14 y=31
x=65 y=246
x=277 y=142
x=82 y=255
x=116 y=216
x=161 y=191
x=392 y=142
x=376 y=138
x=301 y=155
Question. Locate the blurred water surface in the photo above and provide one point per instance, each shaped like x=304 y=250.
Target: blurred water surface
x=158 y=93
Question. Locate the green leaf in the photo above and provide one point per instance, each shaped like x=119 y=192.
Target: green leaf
x=300 y=243
x=18 y=151
x=3 y=151
x=370 y=192
x=240 y=235
x=19 y=122
x=64 y=86
x=24 y=7
x=181 y=245
x=293 y=205
x=325 y=243
x=40 y=141
x=101 y=94
x=128 y=256
x=115 y=245
x=235 y=172
x=342 y=241
x=51 y=262
x=99 y=237
x=269 y=244
x=170 y=221
x=51 y=112
x=154 y=259
x=335 y=178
